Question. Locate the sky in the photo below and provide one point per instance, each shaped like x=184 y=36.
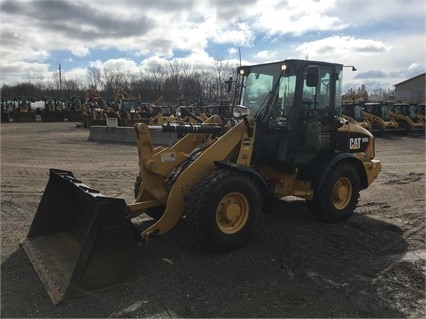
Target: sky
x=385 y=40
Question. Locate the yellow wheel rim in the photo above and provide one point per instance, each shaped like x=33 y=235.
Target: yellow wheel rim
x=342 y=192
x=232 y=213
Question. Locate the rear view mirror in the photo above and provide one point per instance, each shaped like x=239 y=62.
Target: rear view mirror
x=312 y=77
x=229 y=83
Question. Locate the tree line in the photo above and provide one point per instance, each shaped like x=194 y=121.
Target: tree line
x=170 y=79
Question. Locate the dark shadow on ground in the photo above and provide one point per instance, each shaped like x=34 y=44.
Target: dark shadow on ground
x=295 y=266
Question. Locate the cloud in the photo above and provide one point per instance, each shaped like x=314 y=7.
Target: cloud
x=267 y=55
x=373 y=74
x=77 y=20
x=24 y=68
x=387 y=19
x=296 y=17
x=342 y=48
x=121 y=65
x=371 y=35
x=238 y=34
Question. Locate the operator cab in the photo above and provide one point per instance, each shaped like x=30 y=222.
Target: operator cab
x=295 y=104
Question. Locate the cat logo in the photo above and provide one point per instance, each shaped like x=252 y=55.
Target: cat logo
x=355 y=143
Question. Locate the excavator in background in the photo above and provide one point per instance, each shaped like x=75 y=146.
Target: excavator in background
x=284 y=138
x=406 y=116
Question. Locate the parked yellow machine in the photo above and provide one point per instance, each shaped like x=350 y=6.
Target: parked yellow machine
x=353 y=113
x=406 y=116
x=378 y=115
x=127 y=108
x=284 y=139
x=22 y=111
x=54 y=110
x=161 y=114
x=77 y=109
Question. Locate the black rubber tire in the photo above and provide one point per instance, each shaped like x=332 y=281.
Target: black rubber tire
x=154 y=212
x=337 y=199
x=224 y=210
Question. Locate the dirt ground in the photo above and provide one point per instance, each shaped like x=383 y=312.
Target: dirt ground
x=369 y=266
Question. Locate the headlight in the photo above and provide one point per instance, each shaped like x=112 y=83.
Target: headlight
x=178 y=112
x=239 y=111
x=243 y=70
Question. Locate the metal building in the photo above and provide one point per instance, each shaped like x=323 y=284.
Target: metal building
x=412 y=89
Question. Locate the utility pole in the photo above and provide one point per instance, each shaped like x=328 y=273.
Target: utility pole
x=60 y=82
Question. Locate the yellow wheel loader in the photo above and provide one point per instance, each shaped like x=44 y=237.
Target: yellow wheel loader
x=77 y=110
x=23 y=111
x=352 y=112
x=381 y=121
x=286 y=138
x=406 y=116
x=54 y=110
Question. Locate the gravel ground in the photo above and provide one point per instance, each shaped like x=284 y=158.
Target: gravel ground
x=369 y=266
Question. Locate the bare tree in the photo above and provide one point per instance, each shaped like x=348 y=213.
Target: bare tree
x=36 y=80
x=72 y=85
x=56 y=81
x=94 y=78
x=223 y=71
x=172 y=81
x=114 y=80
x=169 y=79
x=187 y=69
x=154 y=80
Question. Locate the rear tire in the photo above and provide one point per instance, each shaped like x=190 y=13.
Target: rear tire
x=224 y=210
x=339 y=195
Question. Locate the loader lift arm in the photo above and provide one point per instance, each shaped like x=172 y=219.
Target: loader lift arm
x=158 y=165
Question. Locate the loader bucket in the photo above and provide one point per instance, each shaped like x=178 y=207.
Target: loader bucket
x=80 y=241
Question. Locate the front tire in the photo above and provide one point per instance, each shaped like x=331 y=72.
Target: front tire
x=338 y=197
x=224 y=210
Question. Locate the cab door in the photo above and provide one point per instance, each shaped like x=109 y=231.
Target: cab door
x=316 y=114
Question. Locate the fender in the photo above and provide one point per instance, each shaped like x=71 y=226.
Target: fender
x=325 y=163
x=267 y=195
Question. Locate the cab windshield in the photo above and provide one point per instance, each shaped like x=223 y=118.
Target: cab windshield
x=259 y=85
x=130 y=105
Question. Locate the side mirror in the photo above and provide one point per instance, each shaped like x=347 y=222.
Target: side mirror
x=229 y=83
x=312 y=76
